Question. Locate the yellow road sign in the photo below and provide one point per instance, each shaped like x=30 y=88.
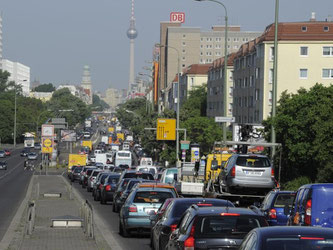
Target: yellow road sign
x=166 y=129
x=47 y=145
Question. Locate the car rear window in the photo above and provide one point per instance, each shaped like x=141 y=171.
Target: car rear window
x=252 y=161
x=284 y=199
x=77 y=170
x=130 y=175
x=113 y=180
x=95 y=173
x=298 y=243
x=89 y=171
x=227 y=226
x=151 y=197
x=146 y=176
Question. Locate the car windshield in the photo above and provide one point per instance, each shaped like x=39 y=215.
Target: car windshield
x=169 y=178
x=298 y=243
x=252 y=161
x=149 y=170
x=284 y=199
x=124 y=154
x=227 y=226
x=151 y=197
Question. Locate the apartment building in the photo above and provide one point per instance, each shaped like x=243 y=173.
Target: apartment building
x=215 y=85
x=305 y=57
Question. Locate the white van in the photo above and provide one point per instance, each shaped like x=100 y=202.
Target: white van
x=149 y=169
x=123 y=158
x=146 y=161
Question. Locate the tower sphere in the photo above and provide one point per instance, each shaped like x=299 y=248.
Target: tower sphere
x=132 y=33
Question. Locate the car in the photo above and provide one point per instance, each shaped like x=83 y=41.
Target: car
x=214 y=228
x=7 y=152
x=25 y=152
x=100 y=180
x=168 y=221
x=136 y=174
x=169 y=175
x=76 y=173
x=32 y=156
x=37 y=146
x=91 y=179
x=273 y=207
x=109 y=187
x=3 y=165
x=86 y=172
x=250 y=173
x=157 y=185
x=293 y=238
x=312 y=206
x=2 y=154
x=147 y=169
x=140 y=204
x=118 y=192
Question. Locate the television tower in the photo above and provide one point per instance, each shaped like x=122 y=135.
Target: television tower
x=131 y=34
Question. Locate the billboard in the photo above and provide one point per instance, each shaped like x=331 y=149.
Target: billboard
x=68 y=135
x=166 y=129
x=177 y=17
x=47 y=145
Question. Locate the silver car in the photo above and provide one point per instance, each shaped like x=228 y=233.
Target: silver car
x=250 y=173
x=92 y=179
x=32 y=156
x=2 y=154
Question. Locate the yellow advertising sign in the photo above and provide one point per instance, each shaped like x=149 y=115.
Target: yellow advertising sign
x=47 y=145
x=120 y=136
x=111 y=129
x=76 y=159
x=87 y=144
x=166 y=129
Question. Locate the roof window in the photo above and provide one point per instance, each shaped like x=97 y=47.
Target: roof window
x=326 y=28
x=304 y=28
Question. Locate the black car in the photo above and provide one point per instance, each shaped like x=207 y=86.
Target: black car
x=3 y=165
x=100 y=180
x=76 y=173
x=119 y=191
x=214 y=228
x=169 y=220
x=284 y=237
x=133 y=174
x=25 y=152
x=108 y=188
x=85 y=177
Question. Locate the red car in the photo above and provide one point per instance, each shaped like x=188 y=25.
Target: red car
x=7 y=152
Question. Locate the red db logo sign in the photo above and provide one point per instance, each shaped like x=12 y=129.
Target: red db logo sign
x=177 y=17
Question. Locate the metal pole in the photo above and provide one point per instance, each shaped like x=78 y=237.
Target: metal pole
x=275 y=67
x=225 y=75
x=178 y=101
x=15 y=118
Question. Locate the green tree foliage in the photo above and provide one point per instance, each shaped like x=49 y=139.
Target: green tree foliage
x=4 y=84
x=98 y=104
x=45 y=88
x=63 y=100
x=304 y=123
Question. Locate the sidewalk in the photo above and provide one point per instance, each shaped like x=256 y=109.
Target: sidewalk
x=47 y=208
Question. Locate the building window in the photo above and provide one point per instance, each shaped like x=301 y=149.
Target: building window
x=218 y=46
x=201 y=60
x=184 y=36
x=270 y=96
x=257 y=94
x=201 y=53
x=184 y=44
x=304 y=51
x=271 y=53
x=230 y=108
x=251 y=81
x=326 y=28
x=327 y=73
x=270 y=76
x=217 y=53
x=304 y=28
x=201 y=39
x=257 y=73
x=251 y=101
x=183 y=51
x=228 y=46
x=183 y=65
x=218 y=39
x=183 y=58
x=327 y=51
x=201 y=46
x=235 y=46
x=303 y=73
x=230 y=91
x=231 y=76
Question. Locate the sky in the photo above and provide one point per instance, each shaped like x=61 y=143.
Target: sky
x=56 y=38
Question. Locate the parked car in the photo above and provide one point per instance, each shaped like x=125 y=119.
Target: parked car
x=168 y=222
x=32 y=156
x=2 y=154
x=313 y=206
x=7 y=152
x=140 y=204
x=214 y=228
x=25 y=152
x=273 y=207
x=100 y=180
x=249 y=173
x=92 y=178
x=76 y=173
x=292 y=238
x=3 y=165
x=108 y=188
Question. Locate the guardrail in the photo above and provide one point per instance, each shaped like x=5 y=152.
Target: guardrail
x=88 y=218
x=30 y=218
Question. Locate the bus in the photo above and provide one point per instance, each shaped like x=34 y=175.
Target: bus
x=123 y=158
x=29 y=140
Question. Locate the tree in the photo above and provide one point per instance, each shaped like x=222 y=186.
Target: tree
x=98 y=104
x=63 y=100
x=304 y=123
x=45 y=88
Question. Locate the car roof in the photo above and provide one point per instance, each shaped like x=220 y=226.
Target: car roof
x=219 y=210
x=155 y=185
x=154 y=189
x=283 y=192
x=202 y=200
x=278 y=231
x=252 y=155
x=318 y=185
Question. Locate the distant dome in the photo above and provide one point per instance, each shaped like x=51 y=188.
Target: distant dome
x=132 y=33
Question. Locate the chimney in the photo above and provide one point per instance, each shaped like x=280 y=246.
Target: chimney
x=313 y=17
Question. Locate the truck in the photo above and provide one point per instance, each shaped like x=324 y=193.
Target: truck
x=105 y=139
x=101 y=158
x=29 y=140
x=87 y=123
x=188 y=183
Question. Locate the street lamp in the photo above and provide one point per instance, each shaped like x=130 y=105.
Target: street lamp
x=225 y=108
x=15 y=104
x=178 y=89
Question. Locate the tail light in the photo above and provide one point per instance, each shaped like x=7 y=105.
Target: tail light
x=173 y=227
x=107 y=188
x=233 y=172
x=190 y=241
x=307 y=218
x=272 y=214
x=132 y=209
x=272 y=173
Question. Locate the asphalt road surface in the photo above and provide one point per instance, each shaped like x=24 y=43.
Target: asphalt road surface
x=13 y=185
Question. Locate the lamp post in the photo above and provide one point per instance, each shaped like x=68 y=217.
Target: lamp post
x=178 y=88
x=15 y=104
x=225 y=108
x=147 y=106
x=275 y=66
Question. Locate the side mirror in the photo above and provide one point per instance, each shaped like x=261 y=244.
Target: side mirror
x=287 y=210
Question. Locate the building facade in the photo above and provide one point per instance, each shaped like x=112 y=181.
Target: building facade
x=86 y=84
x=305 y=57
x=19 y=73
x=0 y=41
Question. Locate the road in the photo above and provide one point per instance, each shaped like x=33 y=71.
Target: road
x=134 y=242
x=13 y=185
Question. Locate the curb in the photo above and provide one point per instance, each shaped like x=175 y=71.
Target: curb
x=10 y=234
x=99 y=223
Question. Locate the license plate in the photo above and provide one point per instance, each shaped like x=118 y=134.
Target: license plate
x=149 y=210
x=253 y=173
